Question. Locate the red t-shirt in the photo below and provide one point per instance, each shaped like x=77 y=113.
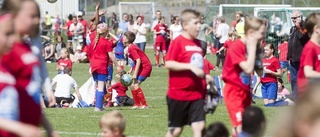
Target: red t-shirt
x=68 y=24
x=134 y=52
x=65 y=63
x=310 y=57
x=232 y=73
x=228 y=43
x=25 y=67
x=283 y=48
x=160 y=37
x=207 y=66
x=9 y=107
x=273 y=64
x=85 y=26
x=121 y=90
x=185 y=85
x=99 y=56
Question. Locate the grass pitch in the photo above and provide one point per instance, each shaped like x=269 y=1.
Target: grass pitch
x=152 y=122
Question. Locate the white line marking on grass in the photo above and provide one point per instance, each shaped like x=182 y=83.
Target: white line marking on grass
x=84 y=133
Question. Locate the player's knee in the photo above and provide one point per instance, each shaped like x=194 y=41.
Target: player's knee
x=174 y=132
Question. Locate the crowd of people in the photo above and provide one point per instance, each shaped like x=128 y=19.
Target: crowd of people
x=241 y=49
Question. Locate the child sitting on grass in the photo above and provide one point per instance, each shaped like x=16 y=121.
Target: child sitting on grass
x=112 y=124
x=64 y=61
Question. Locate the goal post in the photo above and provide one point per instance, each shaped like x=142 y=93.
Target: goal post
x=136 y=8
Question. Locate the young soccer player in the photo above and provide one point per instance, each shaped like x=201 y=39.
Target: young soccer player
x=309 y=62
x=113 y=124
x=283 y=52
x=161 y=30
x=187 y=85
x=119 y=49
x=64 y=61
x=240 y=62
x=25 y=67
x=141 y=71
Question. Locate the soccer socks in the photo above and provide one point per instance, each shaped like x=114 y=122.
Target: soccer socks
x=157 y=59
x=141 y=97
x=135 y=98
x=99 y=99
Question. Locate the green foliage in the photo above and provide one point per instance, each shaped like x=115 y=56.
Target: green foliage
x=152 y=122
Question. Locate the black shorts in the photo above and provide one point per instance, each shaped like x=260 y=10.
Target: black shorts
x=69 y=38
x=182 y=113
x=60 y=100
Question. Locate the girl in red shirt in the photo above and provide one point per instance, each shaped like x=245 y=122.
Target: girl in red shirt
x=64 y=61
x=161 y=30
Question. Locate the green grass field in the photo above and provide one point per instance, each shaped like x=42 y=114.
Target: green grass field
x=152 y=122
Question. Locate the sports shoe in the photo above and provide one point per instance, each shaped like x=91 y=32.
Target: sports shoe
x=134 y=107
x=144 y=107
x=98 y=109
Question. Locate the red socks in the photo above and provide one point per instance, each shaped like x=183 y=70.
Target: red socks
x=139 y=98
x=157 y=60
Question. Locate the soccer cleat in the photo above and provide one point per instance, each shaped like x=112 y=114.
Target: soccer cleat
x=144 y=107
x=134 y=107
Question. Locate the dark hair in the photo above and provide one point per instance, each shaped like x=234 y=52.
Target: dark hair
x=174 y=19
x=70 y=17
x=252 y=120
x=138 y=17
x=216 y=129
x=311 y=21
x=130 y=36
x=67 y=70
x=271 y=46
x=280 y=80
x=285 y=38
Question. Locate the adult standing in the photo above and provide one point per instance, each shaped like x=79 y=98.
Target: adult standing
x=175 y=28
x=85 y=27
x=222 y=34
x=298 y=38
x=205 y=30
x=77 y=30
x=140 y=30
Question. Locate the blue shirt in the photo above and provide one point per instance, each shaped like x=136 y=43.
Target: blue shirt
x=119 y=49
x=124 y=26
x=243 y=134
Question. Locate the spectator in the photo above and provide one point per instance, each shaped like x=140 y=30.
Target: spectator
x=283 y=92
x=222 y=35
x=79 y=56
x=185 y=100
x=57 y=26
x=113 y=124
x=204 y=31
x=69 y=35
x=175 y=28
x=130 y=23
x=48 y=23
x=124 y=23
x=64 y=82
x=77 y=30
x=48 y=50
x=64 y=62
x=141 y=32
x=283 y=52
x=239 y=15
x=250 y=127
x=84 y=23
x=60 y=44
x=310 y=64
x=216 y=129
x=297 y=40
x=113 y=22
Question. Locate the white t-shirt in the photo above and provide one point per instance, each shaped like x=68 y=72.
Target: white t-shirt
x=223 y=30
x=139 y=37
x=64 y=83
x=77 y=27
x=176 y=30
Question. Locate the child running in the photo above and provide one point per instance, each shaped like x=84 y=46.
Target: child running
x=141 y=71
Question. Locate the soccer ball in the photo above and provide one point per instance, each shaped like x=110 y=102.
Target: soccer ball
x=52 y=1
x=126 y=80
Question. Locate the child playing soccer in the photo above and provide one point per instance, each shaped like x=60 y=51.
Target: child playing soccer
x=141 y=71
x=113 y=124
x=119 y=49
x=239 y=64
x=64 y=61
x=187 y=85
x=161 y=30
x=309 y=62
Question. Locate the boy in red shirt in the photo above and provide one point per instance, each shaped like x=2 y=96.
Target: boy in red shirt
x=161 y=30
x=310 y=57
x=187 y=85
x=122 y=98
x=141 y=71
x=239 y=64
x=228 y=43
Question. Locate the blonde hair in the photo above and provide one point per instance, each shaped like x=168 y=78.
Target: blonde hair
x=253 y=23
x=66 y=51
x=113 y=120
x=101 y=30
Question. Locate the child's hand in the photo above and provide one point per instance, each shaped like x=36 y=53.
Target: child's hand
x=267 y=71
x=27 y=130
x=199 y=72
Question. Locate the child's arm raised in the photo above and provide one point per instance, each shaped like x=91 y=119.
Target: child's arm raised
x=177 y=66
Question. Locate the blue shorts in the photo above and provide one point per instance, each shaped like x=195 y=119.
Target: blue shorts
x=141 y=78
x=99 y=77
x=284 y=64
x=269 y=90
x=119 y=56
x=110 y=72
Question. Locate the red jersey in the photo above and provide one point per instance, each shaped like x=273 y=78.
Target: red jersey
x=232 y=73
x=65 y=63
x=283 y=48
x=99 y=55
x=9 y=107
x=134 y=52
x=25 y=67
x=207 y=66
x=161 y=37
x=85 y=26
x=93 y=35
x=272 y=64
x=227 y=44
x=185 y=85
x=310 y=57
x=121 y=90
x=68 y=24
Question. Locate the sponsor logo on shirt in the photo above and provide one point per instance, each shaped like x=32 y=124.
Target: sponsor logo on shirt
x=193 y=48
x=29 y=58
